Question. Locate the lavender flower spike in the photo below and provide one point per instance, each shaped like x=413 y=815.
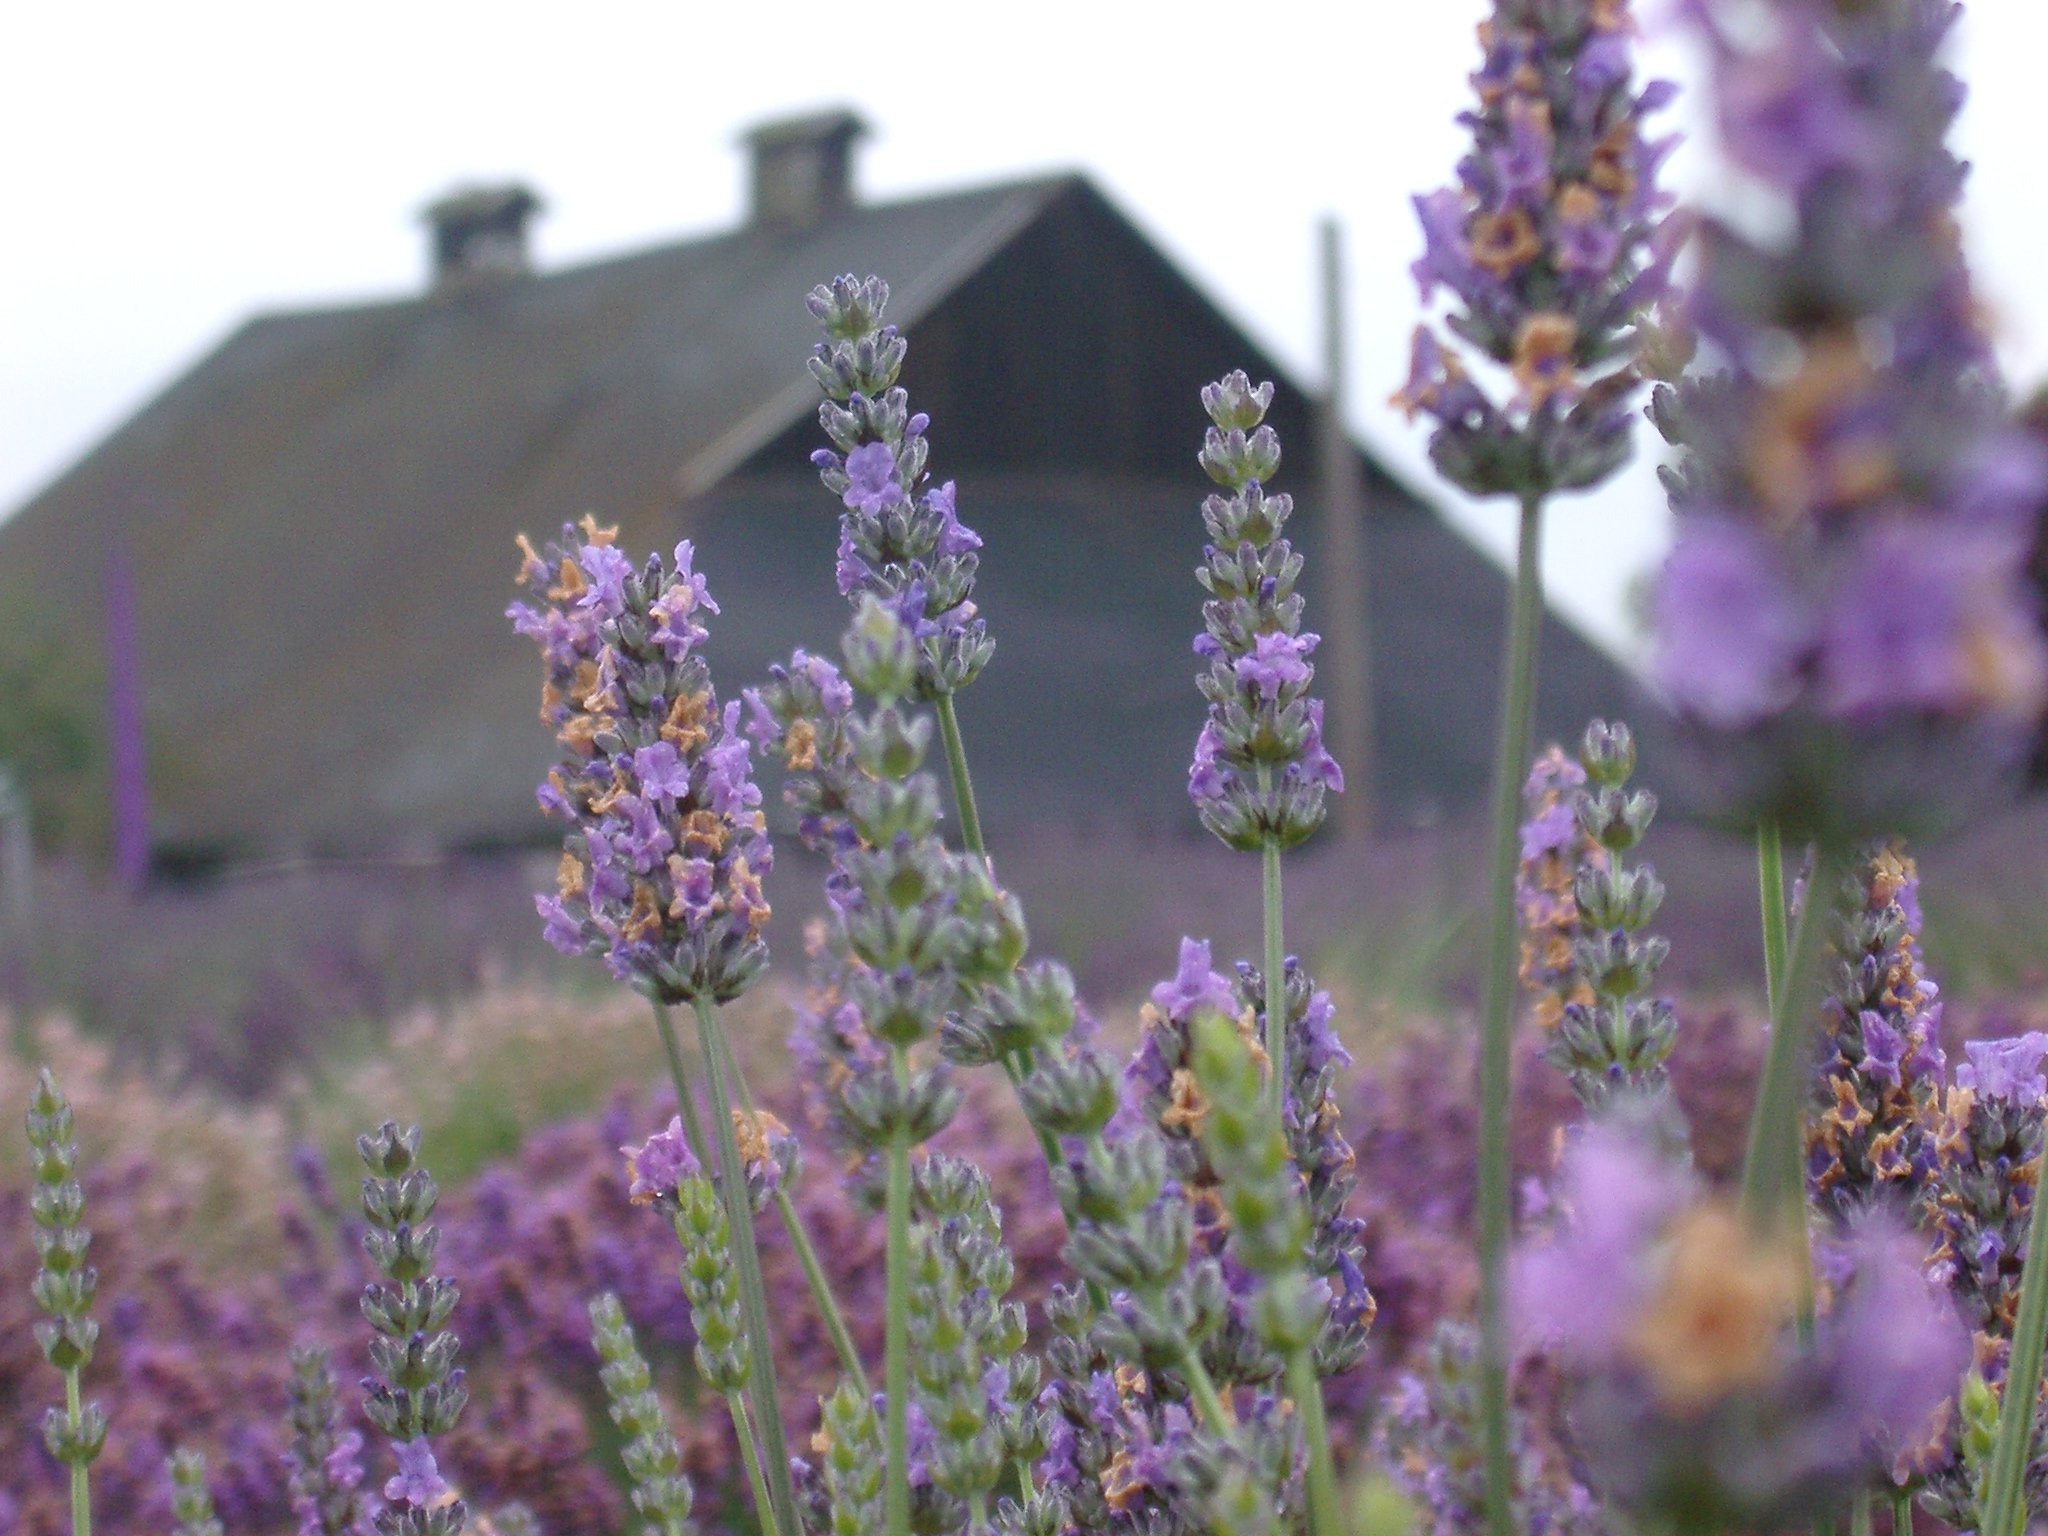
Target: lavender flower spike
x=1260 y=771
x=1875 y=1118
x=1985 y=1180
x=1552 y=245
x=417 y=1392
x=661 y=871
x=899 y=537
x=1845 y=601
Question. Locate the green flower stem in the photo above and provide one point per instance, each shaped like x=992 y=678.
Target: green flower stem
x=963 y=781
x=1902 y=1512
x=686 y=1101
x=1202 y=1387
x=2003 y=1505
x=81 y=1486
x=1770 y=1167
x=1276 y=969
x=977 y=1511
x=781 y=1514
x=1325 y=1513
x=1510 y=763
x=821 y=1292
x=799 y=1239
x=749 y=1453
x=1770 y=879
x=896 y=1371
x=1859 y=1514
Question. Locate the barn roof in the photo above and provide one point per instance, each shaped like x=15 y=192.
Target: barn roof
x=319 y=519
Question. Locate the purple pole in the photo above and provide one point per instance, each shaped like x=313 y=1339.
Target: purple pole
x=127 y=764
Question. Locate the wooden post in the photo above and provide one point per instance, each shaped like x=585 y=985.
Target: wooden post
x=1344 y=661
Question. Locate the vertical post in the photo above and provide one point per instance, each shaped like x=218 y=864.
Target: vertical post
x=127 y=762
x=1346 y=654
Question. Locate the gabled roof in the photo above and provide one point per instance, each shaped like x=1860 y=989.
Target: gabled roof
x=320 y=514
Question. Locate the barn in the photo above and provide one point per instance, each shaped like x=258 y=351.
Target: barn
x=266 y=614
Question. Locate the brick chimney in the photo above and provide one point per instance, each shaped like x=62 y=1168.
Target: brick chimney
x=802 y=169
x=479 y=234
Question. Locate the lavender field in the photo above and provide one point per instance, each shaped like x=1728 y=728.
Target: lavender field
x=806 y=1142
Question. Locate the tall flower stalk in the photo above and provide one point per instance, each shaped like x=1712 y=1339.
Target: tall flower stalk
x=899 y=537
x=1260 y=773
x=1584 y=911
x=661 y=870
x=1552 y=245
x=1270 y=1228
x=916 y=930
x=417 y=1392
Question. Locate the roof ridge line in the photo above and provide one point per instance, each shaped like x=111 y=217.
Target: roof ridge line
x=772 y=417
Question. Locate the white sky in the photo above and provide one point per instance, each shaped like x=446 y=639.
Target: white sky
x=173 y=169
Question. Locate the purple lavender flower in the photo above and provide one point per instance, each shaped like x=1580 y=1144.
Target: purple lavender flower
x=1551 y=245
x=1195 y=985
x=900 y=537
x=661 y=872
x=1693 y=1393
x=418 y=1481
x=2006 y=1069
x=659 y=1164
x=872 y=485
x=1275 y=660
x=1854 y=509
x=1260 y=771
x=1619 y=1199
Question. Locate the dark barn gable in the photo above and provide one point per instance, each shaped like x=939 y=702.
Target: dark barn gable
x=319 y=519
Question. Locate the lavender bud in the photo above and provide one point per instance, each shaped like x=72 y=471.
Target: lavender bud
x=876 y=1106
x=1616 y=821
x=1608 y=753
x=325 y=1463
x=947 y=1369
x=723 y=1356
x=854 y=1462
x=881 y=657
x=64 y=1284
x=1234 y=404
x=1071 y=1095
x=1270 y=1227
x=191 y=1499
x=1113 y=1180
x=652 y=1458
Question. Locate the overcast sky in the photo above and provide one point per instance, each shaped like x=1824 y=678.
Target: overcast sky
x=173 y=169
